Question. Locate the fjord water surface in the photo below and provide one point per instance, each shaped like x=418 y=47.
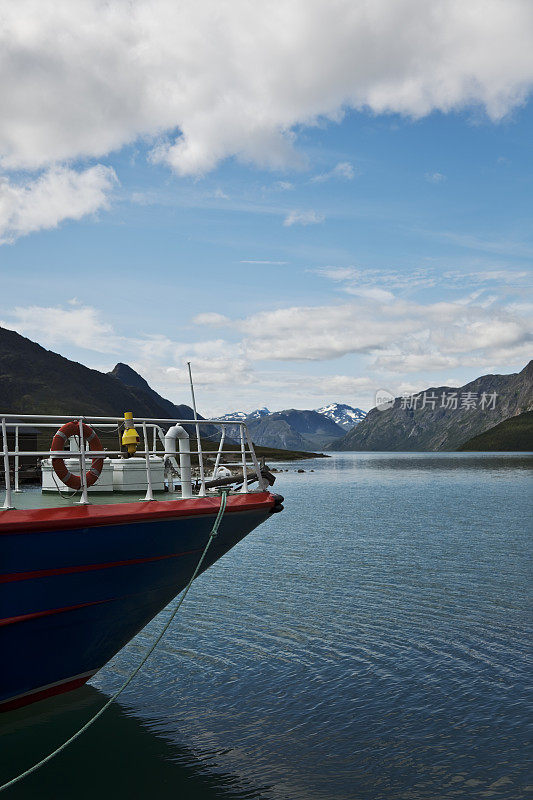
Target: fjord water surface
x=369 y=643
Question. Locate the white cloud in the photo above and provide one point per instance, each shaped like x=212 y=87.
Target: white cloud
x=416 y=362
x=144 y=198
x=82 y=326
x=303 y=218
x=505 y=276
x=344 y=170
x=482 y=242
x=381 y=344
x=213 y=371
x=211 y=318
x=57 y=195
x=372 y=293
x=283 y=186
x=415 y=335
x=252 y=261
x=322 y=332
x=435 y=177
x=355 y=279
x=235 y=78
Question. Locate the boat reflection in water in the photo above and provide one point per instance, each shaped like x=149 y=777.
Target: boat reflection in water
x=122 y=757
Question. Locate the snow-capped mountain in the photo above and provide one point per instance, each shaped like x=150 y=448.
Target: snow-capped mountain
x=257 y=414
x=233 y=431
x=234 y=415
x=345 y=416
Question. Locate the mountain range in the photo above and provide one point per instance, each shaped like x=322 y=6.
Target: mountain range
x=442 y=418
x=34 y=380
x=295 y=429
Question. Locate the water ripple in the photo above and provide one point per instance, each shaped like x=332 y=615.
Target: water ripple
x=370 y=643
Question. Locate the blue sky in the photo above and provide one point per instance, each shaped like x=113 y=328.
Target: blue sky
x=373 y=248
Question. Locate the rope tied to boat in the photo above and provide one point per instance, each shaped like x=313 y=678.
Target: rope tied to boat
x=166 y=626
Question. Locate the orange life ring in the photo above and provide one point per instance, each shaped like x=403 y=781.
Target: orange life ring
x=60 y=468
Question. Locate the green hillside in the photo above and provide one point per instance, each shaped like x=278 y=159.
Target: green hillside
x=513 y=434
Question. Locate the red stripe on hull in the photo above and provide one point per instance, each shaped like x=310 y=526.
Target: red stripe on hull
x=46 y=573
x=70 y=517
x=42 y=694
x=49 y=612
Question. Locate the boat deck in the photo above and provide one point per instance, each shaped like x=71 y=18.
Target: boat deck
x=33 y=498
x=158 y=455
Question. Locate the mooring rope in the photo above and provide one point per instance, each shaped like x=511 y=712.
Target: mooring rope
x=50 y=756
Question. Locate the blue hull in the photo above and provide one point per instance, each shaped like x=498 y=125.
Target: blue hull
x=71 y=598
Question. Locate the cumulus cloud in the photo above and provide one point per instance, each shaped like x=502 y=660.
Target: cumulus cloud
x=391 y=330
x=57 y=195
x=236 y=78
x=303 y=218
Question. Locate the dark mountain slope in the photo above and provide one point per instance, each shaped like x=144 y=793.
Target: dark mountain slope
x=401 y=428
x=34 y=380
x=511 y=435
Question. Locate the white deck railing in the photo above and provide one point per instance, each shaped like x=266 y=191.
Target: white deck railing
x=244 y=456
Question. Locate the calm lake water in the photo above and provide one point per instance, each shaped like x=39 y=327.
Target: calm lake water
x=370 y=642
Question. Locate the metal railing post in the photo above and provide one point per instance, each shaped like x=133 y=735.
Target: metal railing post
x=17 y=460
x=83 y=467
x=261 y=480
x=217 y=460
x=149 y=492
x=7 y=501
x=201 y=493
x=244 y=489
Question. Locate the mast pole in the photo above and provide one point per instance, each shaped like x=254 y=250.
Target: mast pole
x=198 y=441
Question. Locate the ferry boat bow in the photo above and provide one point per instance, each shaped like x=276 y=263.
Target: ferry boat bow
x=106 y=541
